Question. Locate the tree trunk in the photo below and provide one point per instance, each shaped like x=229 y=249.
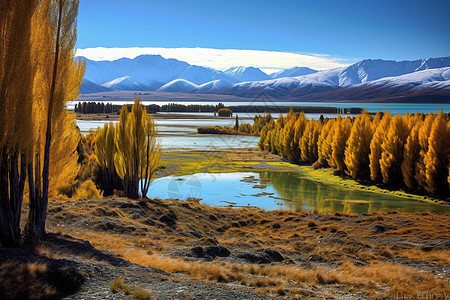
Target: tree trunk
x=7 y=234
x=36 y=230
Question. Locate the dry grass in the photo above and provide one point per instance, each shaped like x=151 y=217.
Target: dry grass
x=340 y=241
x=130 y=290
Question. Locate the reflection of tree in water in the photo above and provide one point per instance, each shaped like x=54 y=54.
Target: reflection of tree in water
x=305 y=194
x=310 y=195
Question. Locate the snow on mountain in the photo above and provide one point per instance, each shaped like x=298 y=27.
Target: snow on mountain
x=417 y=80
x=178 y=86
x=126 y=83
x=214 y=85
x=293 y=72
x=88 y=87
x=365 y=79
x=364 y=71
x=247 y=74
x=153 y=71
x=200 y=75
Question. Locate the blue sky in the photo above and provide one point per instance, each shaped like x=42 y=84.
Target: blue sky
x=344 y=30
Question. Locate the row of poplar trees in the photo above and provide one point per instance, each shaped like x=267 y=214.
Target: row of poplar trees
x=37 y=75
x=410 y=150
x=129 y=150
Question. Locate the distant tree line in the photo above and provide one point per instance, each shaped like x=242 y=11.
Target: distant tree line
x=412 y=151
x=109 y=108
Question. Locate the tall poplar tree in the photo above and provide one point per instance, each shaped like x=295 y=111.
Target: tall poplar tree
x=58 y=79
x=392 y=150
x=375 y=147
x=437 y=157
x=341 y=134
x=16 y=84
x=358 y=147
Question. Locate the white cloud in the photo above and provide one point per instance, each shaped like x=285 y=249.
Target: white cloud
x=221 y=59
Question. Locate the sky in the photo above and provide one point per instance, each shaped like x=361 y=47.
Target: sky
x=274 y=34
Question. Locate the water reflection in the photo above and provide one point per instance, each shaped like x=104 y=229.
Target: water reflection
x=279 y=189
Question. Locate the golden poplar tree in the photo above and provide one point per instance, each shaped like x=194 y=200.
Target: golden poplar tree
x=58 y=80
x=437 y=156
x=411 y=156
x=424 y=134
x=288 y=139
x=358 y=147
x=104 y=151
x=137 y=150
x=375 y=147
x=308 y=142
x=16 y=83
x=299 y=128
x=392 y=150
x=324 y=142
x=341 y=134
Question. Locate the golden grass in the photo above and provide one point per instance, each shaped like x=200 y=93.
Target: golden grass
x=131 y=290
x=344 y=240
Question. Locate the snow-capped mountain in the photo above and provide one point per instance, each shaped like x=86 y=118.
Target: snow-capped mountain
x=151 y=71
x=246 y=74
x=215 y=85
x=89 y=87
x=293 y=72
x=126 y=83
x=178 y=86
x=365 y=71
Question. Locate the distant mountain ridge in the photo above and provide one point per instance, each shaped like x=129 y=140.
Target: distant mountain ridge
x=364 y=79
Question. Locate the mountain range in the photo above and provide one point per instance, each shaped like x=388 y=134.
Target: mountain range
x=365 y=80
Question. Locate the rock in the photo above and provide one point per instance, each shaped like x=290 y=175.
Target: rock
x=107 y=225
x=276 y=225
x=378 y=228
x=196 y=234
x=197 y=252
x=274 y=255
x=167 y=220
x=426 y=248
x=214 y=251
x=213 y=217
x=253 y=258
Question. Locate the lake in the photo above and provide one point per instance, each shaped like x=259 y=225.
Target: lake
x=272 y=190
x=181 y=134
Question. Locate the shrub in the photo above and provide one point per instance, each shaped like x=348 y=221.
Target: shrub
x=224 y=112
x=88 y=190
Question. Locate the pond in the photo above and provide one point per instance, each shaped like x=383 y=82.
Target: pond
x=272 y=190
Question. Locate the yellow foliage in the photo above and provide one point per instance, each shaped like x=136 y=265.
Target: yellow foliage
x=88 y=190
x=358 y=147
